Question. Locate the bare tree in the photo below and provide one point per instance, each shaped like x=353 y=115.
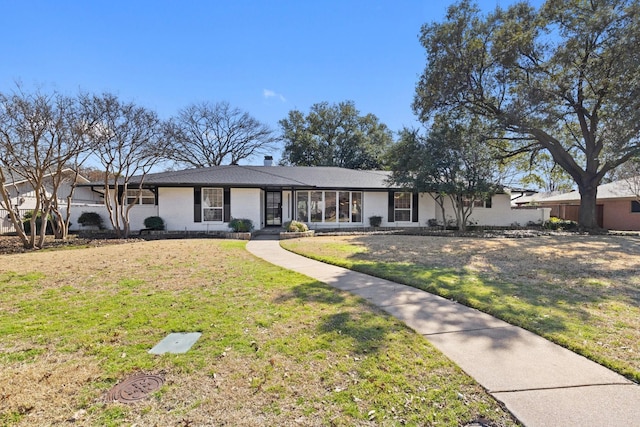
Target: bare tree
x=128 y=141
x=207 y=134
x=629 y=173
x=40 y=135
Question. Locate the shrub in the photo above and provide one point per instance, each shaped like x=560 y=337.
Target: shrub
x=555 y=223
x=375 y=221
x=241 y=225
x=295 y=226
x=90 y=219
x=26 y=224
x=154 y=223
x=432 y=222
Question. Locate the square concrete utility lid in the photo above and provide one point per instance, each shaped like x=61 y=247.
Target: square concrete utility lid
x=177 y=342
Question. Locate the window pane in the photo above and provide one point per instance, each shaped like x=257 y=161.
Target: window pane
x=212 y=197
x=356 y=207
x=344 y=206
x=402 y=200
x=330 y=206
x=132 y=197
x=147 y=197
x=316 y=206
x=635 y=206
x=302 y=208
x=403 y=215
x=212 y=214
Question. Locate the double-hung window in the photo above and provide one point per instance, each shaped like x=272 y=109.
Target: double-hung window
x=402 y=206
x=212 y=204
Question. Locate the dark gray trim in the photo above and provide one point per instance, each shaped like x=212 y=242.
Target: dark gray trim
x=197 y=204
x=226 y=200
x=391 y=207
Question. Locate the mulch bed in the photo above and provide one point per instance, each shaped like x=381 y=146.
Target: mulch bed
x=13 y=244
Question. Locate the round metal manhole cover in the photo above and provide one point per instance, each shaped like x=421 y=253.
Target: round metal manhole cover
x=135 y=388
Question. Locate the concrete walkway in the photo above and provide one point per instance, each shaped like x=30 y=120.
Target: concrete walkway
x=541 y=383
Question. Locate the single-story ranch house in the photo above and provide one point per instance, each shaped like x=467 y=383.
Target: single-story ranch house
x=206 y=199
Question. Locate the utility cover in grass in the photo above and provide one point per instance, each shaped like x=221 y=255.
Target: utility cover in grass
x=177 y=342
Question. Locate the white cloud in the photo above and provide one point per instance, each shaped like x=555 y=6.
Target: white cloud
x=267 y=93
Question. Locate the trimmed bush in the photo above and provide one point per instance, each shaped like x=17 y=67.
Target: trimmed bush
x=295 y=227
x=26 y=224
x=154 y=223
x=241 y=225
x=559 y=224
x=87 y=219
x=375 y=221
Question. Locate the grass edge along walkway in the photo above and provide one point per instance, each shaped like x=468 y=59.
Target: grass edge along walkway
x=472 y=290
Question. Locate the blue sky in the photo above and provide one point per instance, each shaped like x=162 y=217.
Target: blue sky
x=265 y=57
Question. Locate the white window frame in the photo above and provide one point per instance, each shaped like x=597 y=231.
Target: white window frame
x=321 y=206
x=402 y=209
x=478 y=203
x=135 y=196
x=212 y=204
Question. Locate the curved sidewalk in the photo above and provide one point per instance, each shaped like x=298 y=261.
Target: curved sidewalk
x=541 y=383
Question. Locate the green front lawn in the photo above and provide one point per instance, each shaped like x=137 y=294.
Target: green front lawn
x=276 y=349
x=590 y=305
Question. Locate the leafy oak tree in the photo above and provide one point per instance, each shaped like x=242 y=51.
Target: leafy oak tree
x=543 y=173
x=562 y=78
x=335 y=135
x=453 y=163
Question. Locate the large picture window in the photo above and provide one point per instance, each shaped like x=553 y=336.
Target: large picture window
x=212 y=204
x=329 y=207
x=402 y=207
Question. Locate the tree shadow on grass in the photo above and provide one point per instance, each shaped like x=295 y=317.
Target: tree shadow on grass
x=366 y=331
x=312 y=292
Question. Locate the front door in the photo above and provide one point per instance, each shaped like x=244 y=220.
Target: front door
x=274 y=208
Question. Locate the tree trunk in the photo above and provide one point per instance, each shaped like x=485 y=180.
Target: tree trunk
x=588 y=219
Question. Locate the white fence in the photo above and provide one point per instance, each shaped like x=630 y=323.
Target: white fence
x=136 y=218
x=6 y=226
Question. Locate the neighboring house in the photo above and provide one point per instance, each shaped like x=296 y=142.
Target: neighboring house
x=531 y=200
x=518 y=194
x=23 y=196
x=206 y=199
x=618 y=207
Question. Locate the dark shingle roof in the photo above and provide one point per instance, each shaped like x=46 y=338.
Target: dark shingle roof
x=273 y=176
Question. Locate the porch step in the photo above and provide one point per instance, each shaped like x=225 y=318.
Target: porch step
x=270 y=231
